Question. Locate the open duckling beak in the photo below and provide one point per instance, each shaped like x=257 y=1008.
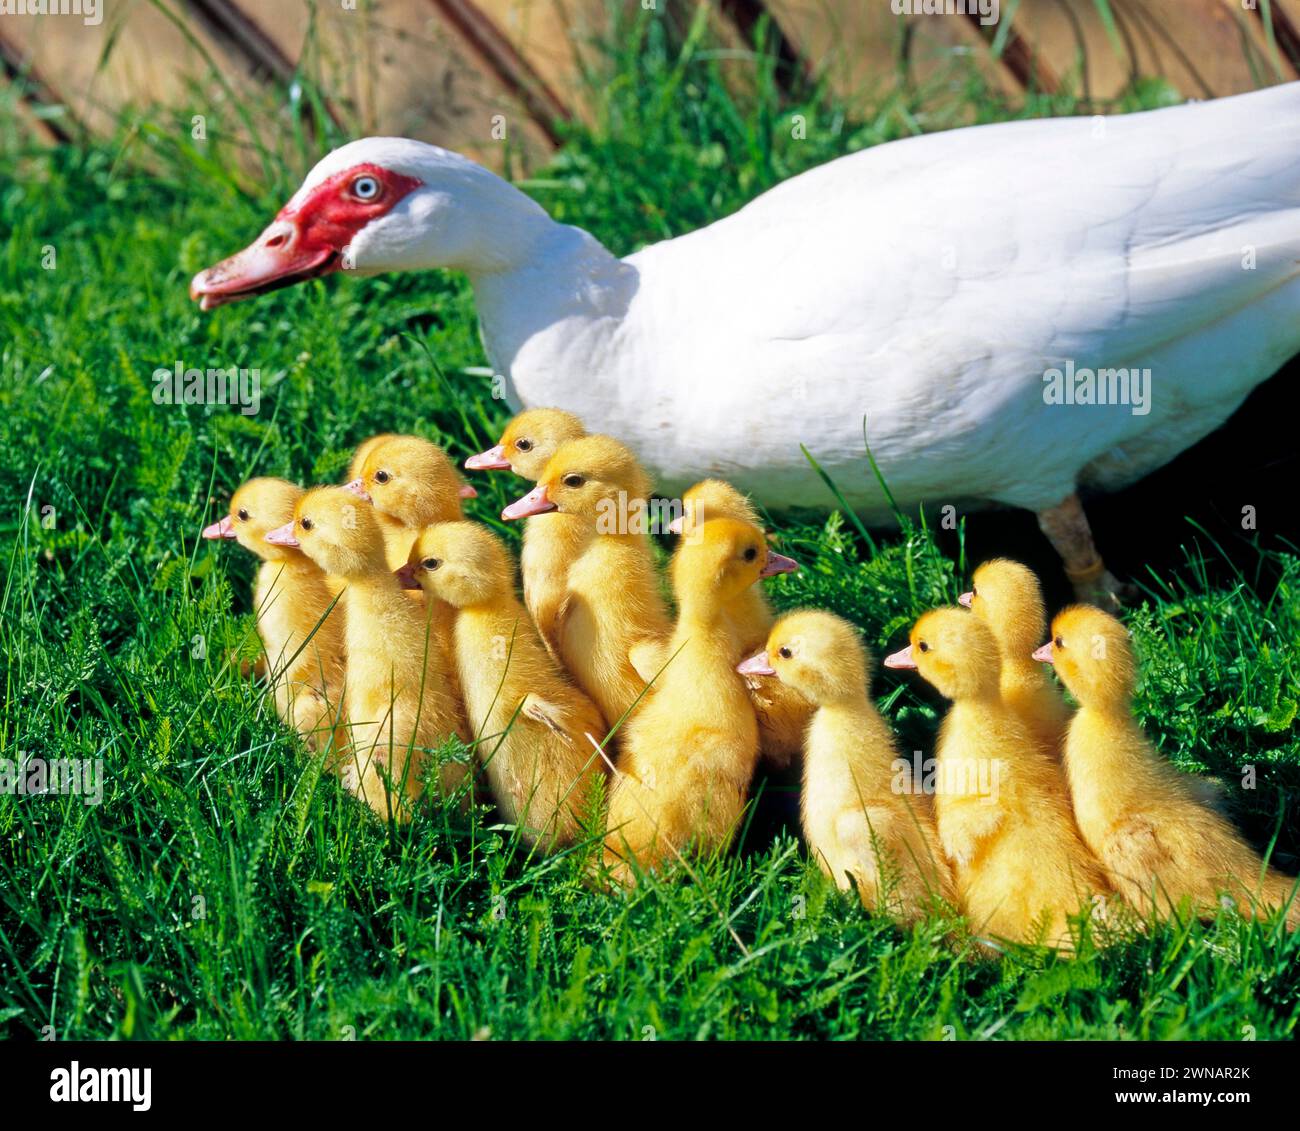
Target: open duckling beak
x=282 y=535
x=777 y=563
x=535 y=502
x=223 y=529
x=1044 y=654
x=902 y=659
x=359 y=489
x=494 y=459
x=406 y=576
x=965 y=599
x=757 y=664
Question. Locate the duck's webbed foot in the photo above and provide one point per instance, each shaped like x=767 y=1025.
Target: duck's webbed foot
x=1066 y=527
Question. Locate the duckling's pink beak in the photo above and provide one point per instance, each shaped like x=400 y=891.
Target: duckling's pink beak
x=1043 y=654
x=535 y=502
x=494 y=459
x=777 y=563
x=965 y=599
x=223 y=529
x=467 y=492
x=757 y=664
x=675 y=527
x=901 y=659
x=282 y=535
x=406 y=575
x=358 y=488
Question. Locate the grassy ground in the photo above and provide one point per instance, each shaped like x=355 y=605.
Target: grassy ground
x=225 y=889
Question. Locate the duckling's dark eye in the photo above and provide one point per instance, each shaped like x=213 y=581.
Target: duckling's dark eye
x=306 y=523
x=1059 y=643
x=784 y=652
x=242 y=515
x=382 y=477
x=524 y=445
x=573 y=480
x=431 y=563
x=923 y=646
x=750 y=553
x=974 y=592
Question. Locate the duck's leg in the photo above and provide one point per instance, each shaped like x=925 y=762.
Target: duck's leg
x=1066 y=527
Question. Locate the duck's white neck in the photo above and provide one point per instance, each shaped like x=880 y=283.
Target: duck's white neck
x=548 y=309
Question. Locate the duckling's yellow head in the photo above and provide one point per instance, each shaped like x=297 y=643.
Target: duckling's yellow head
x=818 y=654
x=364 y=449
x=954 y=651
x=461 y=563
x=724 y=560
x=1093 y=656
x=529 y=442
x=257 y=508
x=595 y=478
x=1006 y=596
x=337 y=531
x=712 y=498
x=412 y=480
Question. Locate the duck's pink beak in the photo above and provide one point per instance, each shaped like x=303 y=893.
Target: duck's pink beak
x=675 y=527
x=965 y=599
x=901 y=659
x=358 y=488
x=757 y=664
x=535 y=502
x=777 y=563
x=282 y=535
x=494 y=459
x=222 y=529
x=406 y=576
x=279 y=257
x=1043 y=654
x=468 y=492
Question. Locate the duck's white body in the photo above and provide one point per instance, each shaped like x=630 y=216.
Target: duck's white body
x=927 y=285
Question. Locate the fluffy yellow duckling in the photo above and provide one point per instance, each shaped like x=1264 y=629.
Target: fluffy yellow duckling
x=530 y=723
x=411 y=483
x=783 y=713
x=1140 y=816
x=301 y=634
x=612 y=598
x=860 y=829
x=550 y=543
x=690 y=749
x=1001 y=807
x=399 y=687
x=1006 y=596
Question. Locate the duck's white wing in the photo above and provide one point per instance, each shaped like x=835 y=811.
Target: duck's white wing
x=929 y=283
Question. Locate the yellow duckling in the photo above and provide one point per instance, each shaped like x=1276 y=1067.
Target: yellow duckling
x=612 y=598
x=412 y=483
x=551 y=543
x=530 y=723
x=1006 y=596
x=1140 y=816
x=783 y=713
x=399 y=689
x=860 y=829
x=690 y=749
x=1001 y=807
x=302 y=636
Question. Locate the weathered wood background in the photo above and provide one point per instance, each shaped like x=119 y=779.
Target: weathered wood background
x=455 y=72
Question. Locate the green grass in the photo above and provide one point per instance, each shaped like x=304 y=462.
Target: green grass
x=224 y=888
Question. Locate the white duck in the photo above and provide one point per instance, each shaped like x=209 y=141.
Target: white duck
x=927 y=285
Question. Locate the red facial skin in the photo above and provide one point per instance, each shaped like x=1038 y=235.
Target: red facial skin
x=306 y=240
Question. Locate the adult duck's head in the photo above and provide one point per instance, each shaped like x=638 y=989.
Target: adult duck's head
x=381 y=204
